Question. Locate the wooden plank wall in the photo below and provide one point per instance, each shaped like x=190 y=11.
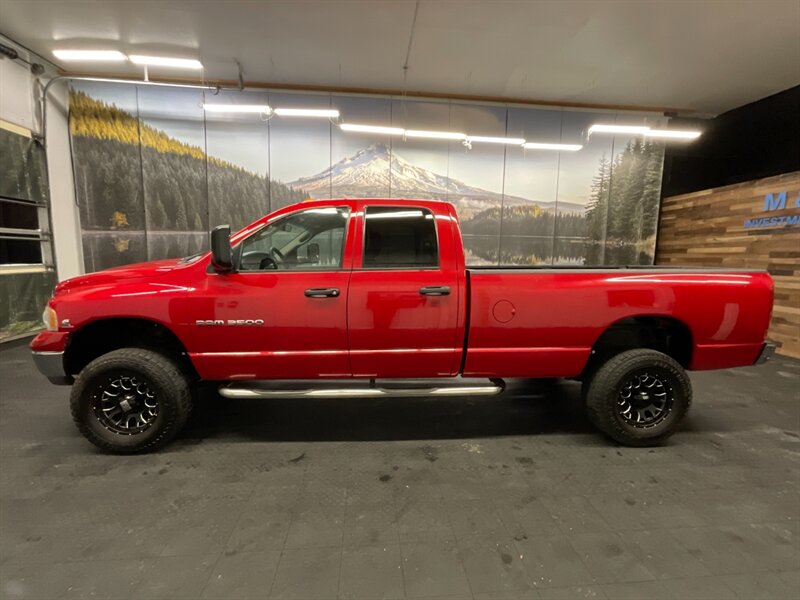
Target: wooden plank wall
x=707 y=229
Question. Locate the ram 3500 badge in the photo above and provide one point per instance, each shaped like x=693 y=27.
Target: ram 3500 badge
x=230 y=322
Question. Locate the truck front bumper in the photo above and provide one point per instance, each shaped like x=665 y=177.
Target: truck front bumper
x=766 y=353
x=51 y=365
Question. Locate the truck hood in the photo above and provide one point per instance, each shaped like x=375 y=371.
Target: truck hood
x=146 y=270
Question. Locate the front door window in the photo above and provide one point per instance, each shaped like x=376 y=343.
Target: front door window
x=310 y=240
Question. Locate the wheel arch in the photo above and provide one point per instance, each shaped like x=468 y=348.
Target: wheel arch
x=665 y=334
x=105 y=335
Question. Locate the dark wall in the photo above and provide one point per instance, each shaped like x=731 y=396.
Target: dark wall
x=757 y=140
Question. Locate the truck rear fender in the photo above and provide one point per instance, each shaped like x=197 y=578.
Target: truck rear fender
x=664 y=334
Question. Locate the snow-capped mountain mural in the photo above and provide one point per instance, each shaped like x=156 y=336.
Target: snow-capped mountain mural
x=373 y=171
x=151 y=178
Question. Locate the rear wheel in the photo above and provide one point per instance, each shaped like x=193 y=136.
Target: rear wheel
x=639 y=397
x=130 y=400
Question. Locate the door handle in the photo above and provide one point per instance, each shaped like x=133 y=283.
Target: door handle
x=435 y=290
x=322 y=292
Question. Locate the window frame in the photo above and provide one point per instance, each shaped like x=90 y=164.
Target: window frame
x=39 y=235
x=237 y=250
x=42 y=234
x=436 y=267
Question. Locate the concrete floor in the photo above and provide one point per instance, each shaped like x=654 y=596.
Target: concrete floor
x=509 y=497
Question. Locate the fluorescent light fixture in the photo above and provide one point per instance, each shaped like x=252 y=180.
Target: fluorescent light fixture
x=400 y=214
x=164 y=61
x=602 y=128
x=238 y=108
x=436 y=135
x=675 y=134
x=90 y=55
x=330 y=113
x=328 y=210
x=544 y=146
x=495 y=140
x=371 y=129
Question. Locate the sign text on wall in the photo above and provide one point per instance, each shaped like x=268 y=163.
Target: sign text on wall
x=774 y=202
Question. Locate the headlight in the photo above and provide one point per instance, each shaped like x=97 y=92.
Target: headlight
x=50 y=319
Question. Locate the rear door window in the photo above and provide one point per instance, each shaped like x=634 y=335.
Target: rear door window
x=399 y=237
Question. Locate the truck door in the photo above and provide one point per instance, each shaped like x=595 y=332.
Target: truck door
x=282 y=313
x=403 y=304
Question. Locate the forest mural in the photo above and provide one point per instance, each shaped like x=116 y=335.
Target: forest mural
x=144 y=194
x=153 y=173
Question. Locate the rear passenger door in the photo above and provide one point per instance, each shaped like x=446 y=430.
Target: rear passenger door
x=403 y=301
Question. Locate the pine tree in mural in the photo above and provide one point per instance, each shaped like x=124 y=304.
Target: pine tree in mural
x=626 y=189
x=180 y=216
x=651 y=196
x=625 y=195
x=597 y=207
x=158 y=214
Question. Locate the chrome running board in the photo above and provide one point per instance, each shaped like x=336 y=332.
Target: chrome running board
x=242 y=390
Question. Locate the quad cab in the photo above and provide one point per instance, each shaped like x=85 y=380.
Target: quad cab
x=378 y=291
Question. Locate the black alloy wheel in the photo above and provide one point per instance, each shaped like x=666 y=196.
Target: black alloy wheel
x=124 y=404
x=645 y=398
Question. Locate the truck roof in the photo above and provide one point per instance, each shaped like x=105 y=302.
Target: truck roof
x=435 y=206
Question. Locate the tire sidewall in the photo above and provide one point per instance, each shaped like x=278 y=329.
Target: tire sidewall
x=164 y=380
x=93 y=388
x=603 y=395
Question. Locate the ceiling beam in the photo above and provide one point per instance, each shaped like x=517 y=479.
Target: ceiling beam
x=296 y=87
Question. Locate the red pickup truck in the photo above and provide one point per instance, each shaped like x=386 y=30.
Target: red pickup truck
x=378 y=290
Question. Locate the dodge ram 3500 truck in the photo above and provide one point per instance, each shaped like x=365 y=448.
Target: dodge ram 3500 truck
x=378 y=290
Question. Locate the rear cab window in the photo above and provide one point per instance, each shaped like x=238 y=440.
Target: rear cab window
x=400 y=237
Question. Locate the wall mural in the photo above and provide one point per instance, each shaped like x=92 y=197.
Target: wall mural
x=153 y=172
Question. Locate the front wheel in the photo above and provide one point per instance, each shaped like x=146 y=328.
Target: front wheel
x=639 y=397
x=130 y=400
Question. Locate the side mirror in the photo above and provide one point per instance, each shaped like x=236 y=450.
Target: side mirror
x=221 y=254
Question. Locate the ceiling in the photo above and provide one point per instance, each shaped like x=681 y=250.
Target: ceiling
x=702 y=57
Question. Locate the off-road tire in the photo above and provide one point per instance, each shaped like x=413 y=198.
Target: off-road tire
x=163 y=376
x=604 y=388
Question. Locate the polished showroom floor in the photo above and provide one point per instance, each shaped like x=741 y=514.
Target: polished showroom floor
x=509 y=497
